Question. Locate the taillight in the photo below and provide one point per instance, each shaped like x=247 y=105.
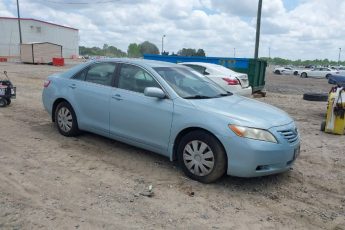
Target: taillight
x=46 y=83
x=231 y=81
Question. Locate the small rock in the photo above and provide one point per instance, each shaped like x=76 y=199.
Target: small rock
x=77 y=226
x=204 y=216
x=147 y=193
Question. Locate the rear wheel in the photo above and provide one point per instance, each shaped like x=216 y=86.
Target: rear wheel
x=3 y=102
x=295 y=73
x=304 y=75
x=202 y=156
x=328 y=76
x=277 y=72
x=66 y=120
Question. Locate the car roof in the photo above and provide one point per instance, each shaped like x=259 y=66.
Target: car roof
x=138 y=61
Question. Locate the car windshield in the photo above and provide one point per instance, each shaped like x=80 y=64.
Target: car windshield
x=190 y=84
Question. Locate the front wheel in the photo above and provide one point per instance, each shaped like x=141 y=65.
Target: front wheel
x=3 y=102
x=202 y=157
x=66 y=120
x=304 y=75
x=328 y=76
x=277 y=72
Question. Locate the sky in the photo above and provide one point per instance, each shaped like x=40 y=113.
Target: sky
x=293 y=29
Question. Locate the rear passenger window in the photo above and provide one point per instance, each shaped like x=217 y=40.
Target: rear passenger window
x=135 y=79
x=100 y=73
x=198 y=68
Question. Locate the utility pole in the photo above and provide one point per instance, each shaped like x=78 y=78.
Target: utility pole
x=269 y=52
x=20 y=30
x=339 y=56
x=163 y=43
x=258 y=22
x=234 y=52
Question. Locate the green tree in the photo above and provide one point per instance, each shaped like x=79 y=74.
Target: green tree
x=133 y=50
x=148 y=48
x=187 y=52
x=200 y=53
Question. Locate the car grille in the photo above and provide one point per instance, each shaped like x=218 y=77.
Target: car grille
x=290 y=135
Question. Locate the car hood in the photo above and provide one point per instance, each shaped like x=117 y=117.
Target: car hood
x=244 y=111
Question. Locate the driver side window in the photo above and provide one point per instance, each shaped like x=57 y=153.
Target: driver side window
x=135 y=79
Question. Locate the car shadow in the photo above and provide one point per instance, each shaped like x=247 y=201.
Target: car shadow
x=115 y=151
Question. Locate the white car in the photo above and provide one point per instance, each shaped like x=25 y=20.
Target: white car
x=341 y=70
x=321 y=72
x=226 y=78
x=285 y=70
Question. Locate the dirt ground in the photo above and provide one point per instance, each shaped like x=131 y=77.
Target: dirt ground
x=48 y=181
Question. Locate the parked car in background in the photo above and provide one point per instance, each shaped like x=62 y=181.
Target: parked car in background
x=321 y=72
x=341 y=70
x=228 y=79
x=309 y=66
x=285 y=70
x=174 y=111
x=337 y=80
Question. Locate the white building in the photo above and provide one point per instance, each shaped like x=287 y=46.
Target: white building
x=36 y=31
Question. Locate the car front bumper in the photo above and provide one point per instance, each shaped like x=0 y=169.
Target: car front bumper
x=253 y=158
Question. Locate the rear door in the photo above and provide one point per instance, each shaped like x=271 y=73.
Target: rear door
x=136 y=117
x=90 y=90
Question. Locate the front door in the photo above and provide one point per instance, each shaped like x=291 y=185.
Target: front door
x=136 y=117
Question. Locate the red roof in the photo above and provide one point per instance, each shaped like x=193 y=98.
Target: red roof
x=31 y=19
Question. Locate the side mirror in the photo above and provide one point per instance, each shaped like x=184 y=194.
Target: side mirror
x=154 y=92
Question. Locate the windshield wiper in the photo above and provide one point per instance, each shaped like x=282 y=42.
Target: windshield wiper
x=225 y=94
x=197 y=97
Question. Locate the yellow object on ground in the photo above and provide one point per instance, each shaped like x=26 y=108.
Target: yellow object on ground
x=335 y=120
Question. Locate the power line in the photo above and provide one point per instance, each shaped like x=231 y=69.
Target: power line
x=81 y=3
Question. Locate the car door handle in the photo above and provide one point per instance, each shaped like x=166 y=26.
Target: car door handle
x=117 y=97
x=73 y=86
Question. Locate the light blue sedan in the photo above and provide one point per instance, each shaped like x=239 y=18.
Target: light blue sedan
x=174 y=111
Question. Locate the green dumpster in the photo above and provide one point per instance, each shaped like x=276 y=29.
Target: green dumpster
x=256 y=73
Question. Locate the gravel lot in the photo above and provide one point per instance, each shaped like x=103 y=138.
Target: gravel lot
x=49 y=181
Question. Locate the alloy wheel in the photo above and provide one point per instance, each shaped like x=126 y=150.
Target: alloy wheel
x=65 y=119
x=198 y=158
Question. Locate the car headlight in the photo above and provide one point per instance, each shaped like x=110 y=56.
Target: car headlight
x=252 y=133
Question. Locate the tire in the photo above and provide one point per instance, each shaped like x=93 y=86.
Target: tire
x=66 y=120
x=304 y=75
x=315 y=96
x=3 y=102
x=323 y=126
x=295 y=73
x=207 y=166
x=277 y=72
x=8 y=100
x=328 y=75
